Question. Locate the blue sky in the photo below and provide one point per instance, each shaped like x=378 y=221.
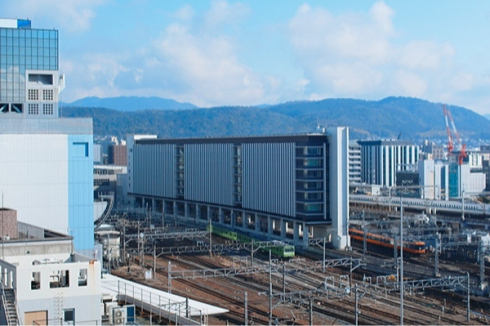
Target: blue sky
x=214 y=53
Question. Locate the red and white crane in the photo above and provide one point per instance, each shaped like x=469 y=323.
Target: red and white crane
x=450 y=138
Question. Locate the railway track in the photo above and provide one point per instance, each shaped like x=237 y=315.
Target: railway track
x=418 y=311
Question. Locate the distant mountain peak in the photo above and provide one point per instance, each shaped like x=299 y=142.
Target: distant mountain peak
x=131 y=103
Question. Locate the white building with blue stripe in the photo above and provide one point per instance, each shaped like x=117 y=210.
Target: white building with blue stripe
x=46 y=162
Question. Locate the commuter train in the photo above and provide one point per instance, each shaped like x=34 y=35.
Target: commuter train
x=411 y=247
x=281 y=249
x=443 y=205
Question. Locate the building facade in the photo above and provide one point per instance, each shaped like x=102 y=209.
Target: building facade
x=282 y=186
x=463 y=182
x=432 y=151
x=49 y=284
x=46 y=162
x=117 y=155
x=382 y=159
x=355 y=162
x=29 y=77
x=432 y=176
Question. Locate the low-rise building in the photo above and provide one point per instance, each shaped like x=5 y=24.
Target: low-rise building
x=44 y=281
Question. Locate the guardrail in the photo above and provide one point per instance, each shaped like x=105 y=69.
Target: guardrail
x=178 y=311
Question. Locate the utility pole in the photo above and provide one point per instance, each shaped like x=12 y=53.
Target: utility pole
x=283 y=280
x=436 y=256
x=357 y=305
x=270 y=288
x=364 y=242
x=311 y=312
x=350 y=277
x=154 y=261
x=252 y=254
x=210 y=239
x=468 y=298
x=246 y=308
x=323 y=265
x=481 y=257
x=401 y=261
x=169 y=277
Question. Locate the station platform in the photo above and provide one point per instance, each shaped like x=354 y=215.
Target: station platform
x=158 y=302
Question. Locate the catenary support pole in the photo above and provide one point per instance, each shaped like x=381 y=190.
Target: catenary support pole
x=246 y=308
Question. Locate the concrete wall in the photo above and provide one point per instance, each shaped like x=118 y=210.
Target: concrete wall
x=339 y=184
x=34 y=178
x=85 y=299
x=48 y=179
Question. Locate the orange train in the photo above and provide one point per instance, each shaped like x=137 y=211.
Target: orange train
x=412 y=247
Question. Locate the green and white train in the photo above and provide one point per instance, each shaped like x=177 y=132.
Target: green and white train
x=281 y=249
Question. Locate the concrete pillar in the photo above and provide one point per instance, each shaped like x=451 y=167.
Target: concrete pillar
x=296 y=227
x=305 y=235
x=269 y=225
x=257 y=223
x=284 y=226
x=174 y=203
x=233 y=218
x=245 y=220
x=186 y=210
x=221 y=216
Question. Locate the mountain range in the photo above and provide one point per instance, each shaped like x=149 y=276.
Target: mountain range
x=131 y=103
x=392 y=117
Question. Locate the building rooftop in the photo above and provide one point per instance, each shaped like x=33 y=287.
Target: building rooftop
x=60 y=126
x=15 y=23
x=384 y=142
x=318 y=137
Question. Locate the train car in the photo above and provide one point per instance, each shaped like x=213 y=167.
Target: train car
x=411 y=247
x=223 y=232
x=281 y=249
x=244 y=238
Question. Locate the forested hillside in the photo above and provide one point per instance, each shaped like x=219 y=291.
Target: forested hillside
x=393 y=117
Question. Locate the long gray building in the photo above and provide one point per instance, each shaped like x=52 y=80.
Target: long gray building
x=282 y=187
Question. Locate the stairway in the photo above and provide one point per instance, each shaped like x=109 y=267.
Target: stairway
x=10 y=307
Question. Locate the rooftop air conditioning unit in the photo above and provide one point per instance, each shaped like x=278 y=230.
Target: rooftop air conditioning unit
x=118 y=315
x=109 y=306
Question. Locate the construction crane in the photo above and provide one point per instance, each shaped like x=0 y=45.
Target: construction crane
x=450 y=138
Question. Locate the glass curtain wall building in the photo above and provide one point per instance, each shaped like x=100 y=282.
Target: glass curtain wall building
x=29 y=79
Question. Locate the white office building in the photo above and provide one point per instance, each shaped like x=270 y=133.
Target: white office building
x=382 y=159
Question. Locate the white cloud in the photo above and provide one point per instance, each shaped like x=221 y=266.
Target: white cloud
x=360 y=55
x=346 y=79
x=424 y=55
x=198 y=57
x=410 y=84
x=193 y=60
x=185 y=13
x=382 y=15
x=462 y=81
x=72 y=15
x=206 y=68
x=223 y=13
